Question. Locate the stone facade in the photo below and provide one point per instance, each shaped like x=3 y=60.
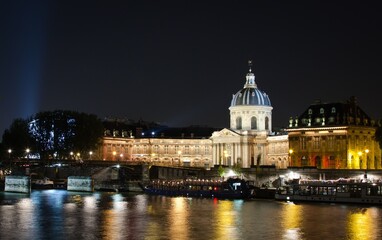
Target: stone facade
x=334 y=136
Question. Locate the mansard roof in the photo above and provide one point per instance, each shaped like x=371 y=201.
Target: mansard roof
x=321 y=114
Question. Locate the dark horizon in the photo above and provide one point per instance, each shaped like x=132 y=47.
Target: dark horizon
x=179 y=63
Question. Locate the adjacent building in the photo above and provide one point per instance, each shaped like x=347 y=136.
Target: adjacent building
x=334 y=136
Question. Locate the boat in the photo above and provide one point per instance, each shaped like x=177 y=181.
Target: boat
x=232 y=188
x=44 y=183
x=332 y=191
x=264 y=192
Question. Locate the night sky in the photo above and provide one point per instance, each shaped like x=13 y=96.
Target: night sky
x=179 y=62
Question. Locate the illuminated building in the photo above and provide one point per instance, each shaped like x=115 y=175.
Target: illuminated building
x=165 y=146
x=248 y=142
x=334 y=136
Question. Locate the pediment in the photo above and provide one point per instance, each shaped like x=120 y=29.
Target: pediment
x=225 y=133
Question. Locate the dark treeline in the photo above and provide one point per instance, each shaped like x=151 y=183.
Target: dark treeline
x=52 y=134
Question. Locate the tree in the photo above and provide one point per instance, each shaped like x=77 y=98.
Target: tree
x=17 y=138
x=221 y=171
x=54 y=134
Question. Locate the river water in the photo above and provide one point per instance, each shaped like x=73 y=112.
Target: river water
x=58 y=214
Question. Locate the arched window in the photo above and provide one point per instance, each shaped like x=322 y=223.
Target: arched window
x=310 y=111
x=253 y=123
x=266 y=123
x=238 y=123
x=322 y=111
x=333 y=110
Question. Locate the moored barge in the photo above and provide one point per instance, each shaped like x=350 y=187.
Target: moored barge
x=233 y=188
x=333 y=191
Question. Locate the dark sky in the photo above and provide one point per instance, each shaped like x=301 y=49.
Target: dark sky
x=179 y=62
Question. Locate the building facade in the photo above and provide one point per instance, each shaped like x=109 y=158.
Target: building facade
x=334 y=136
x=249 y=141
x=165 y=150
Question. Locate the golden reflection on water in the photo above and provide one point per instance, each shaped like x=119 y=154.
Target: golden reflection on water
x=291 y=221
x=225 y=220
x=361 y=224
x=179 y=214
x=114 y=218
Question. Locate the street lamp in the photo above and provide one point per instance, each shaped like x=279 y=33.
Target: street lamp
x=290 y=157
x=9 y=154
x=27 y=151
x=121 y=156
x=71 y=155
x=78 y=155
x=90 y=155
x=114 y=153
x=367 y=160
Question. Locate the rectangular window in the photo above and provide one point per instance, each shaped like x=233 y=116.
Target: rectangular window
x=187 y=150
x=330 y=142
x=197 y=150
x=303 y=143
x=316 y=142
x=165 y=149
x=145 y=149
x=206 y=150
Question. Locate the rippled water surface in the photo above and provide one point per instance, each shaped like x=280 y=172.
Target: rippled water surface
x=58 y=214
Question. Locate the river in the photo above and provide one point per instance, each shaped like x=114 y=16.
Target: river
x=58 y=214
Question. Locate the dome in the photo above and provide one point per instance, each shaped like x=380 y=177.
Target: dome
x=250 y=94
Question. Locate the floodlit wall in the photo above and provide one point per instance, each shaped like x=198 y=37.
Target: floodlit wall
x=19 y=184
x=80 y=184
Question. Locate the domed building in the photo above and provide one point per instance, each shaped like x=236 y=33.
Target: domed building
x=249 y=141
x=251 y=109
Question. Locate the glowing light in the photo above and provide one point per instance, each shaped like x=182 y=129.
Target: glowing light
x=293 y=175
x=230 y=173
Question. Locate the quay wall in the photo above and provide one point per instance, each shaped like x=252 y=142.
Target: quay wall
x=263 y=175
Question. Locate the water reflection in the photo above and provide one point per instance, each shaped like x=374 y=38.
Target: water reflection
x=291 y=221
x=67 y=215
x=225 y=221
x=178 y=217
x=362 y=224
